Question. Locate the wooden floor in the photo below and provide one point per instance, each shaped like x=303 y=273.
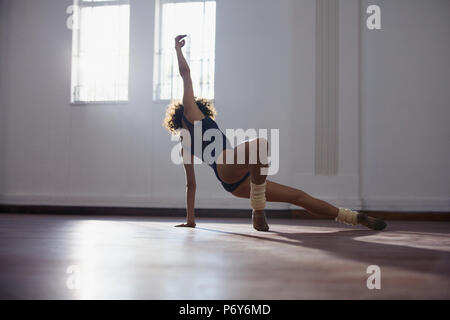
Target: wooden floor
x=147 y=258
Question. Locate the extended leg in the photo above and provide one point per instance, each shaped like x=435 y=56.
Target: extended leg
x=279 y=193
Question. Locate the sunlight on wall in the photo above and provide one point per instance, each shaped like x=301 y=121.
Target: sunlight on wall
x=100 y=54
x=198 y=21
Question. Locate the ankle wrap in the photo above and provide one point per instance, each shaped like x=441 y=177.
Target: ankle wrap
x=258 y=196
x=347 y=216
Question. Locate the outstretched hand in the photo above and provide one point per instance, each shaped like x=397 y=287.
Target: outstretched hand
x=186 y=225
x=179 y=41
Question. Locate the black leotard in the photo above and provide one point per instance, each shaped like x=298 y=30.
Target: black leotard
x=208 y=123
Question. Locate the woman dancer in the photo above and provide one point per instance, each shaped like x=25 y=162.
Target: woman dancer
x=243 y=179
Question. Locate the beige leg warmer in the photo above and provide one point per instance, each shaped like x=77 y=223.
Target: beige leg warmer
x=258 y=196
x=347 y=216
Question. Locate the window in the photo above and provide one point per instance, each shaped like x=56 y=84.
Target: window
x=100 y=51
x=197 y=19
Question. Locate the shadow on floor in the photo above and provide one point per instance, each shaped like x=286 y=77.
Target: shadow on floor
x=343 y=244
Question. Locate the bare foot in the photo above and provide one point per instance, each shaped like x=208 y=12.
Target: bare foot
x=186 y=225
x=259 y=221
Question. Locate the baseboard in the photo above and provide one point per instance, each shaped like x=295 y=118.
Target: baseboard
x=144 y=202
x=209 y=213
x=387 y=215
x=228 y=202
x=407 y=204
x=135 y=212
x=134 y=201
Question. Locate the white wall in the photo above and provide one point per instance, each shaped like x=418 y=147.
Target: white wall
x=4 y=38
x=120 y=154
x=406 y=106
x=54 y=153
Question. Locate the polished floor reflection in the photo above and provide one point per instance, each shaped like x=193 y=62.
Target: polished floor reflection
x=71 y=257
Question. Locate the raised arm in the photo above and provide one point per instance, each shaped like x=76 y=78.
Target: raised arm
x=191 y=109
x=190 y=194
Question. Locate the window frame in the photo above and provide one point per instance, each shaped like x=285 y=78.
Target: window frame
x=76 y=33
x=158 y=48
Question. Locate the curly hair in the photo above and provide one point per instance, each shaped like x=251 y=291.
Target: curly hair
x=175 y=110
